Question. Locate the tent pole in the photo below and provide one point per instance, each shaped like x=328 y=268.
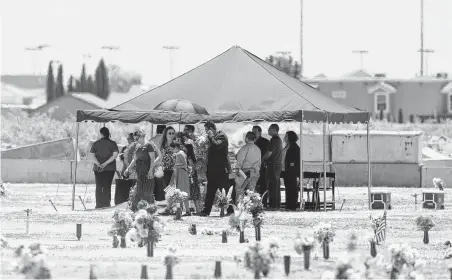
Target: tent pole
x=77 y=127
x=325 y=143
x=301 y=166
x=369 y=170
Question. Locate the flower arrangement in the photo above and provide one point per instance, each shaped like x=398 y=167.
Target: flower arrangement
x=240 y=219
x=223 y=200
x=402 y=256
x=170 y=260
x=122 y=223
x=376 y=221
x=256 y=208
x=344 y=270
x=324 y=233
x=147 y=226
x=176 y=197
x=425 y=223
x=32 y=262
x=259 y=257
x=158 y=172
x=201 y=147
x=303 y=245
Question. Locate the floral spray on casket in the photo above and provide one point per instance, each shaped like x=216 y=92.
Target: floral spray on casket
x=122 y=223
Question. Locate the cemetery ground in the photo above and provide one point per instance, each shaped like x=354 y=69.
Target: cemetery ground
x=70 y=258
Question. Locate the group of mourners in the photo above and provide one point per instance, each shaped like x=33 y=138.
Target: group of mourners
x=262 y=161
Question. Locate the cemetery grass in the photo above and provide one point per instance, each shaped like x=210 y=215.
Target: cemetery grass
x=70 y=258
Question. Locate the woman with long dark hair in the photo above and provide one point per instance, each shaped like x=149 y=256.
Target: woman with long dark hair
x=168 y=160
x=103 y=154
x=291 y=169
x=144 y=161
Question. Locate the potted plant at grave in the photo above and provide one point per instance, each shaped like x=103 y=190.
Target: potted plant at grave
x=303 y=245
x=122 y=223
x=425 y=223
x=32 y=262
x=259 y=257
x=324 y=234
x=223 y=200
x=240 y=219
x=176 y=198
x=170 y=260
x=147 y=228
x=256 y=209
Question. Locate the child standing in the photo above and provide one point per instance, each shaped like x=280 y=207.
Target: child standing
x=180 y=176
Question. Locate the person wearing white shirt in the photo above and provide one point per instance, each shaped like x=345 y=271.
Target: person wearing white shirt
x=249 y=161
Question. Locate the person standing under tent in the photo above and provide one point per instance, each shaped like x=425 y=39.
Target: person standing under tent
x=291 y=169
x=159 y=186
x=144 y=161
x=127 y=153
x=218 y=167
x=180 y=175
x=167 y=152
x=249 y=161
x=103 y=154
x=195 y=191
x=273 y=161
x=262 y=143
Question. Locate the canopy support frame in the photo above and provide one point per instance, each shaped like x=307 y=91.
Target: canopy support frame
x=77 y=128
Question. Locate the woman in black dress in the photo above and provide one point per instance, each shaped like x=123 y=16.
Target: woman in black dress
x=144 y=161
x=291 y=169
x=103 y=154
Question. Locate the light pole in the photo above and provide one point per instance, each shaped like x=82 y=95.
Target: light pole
x=422 y=38
x=36 y=49
x=110 y=49
x=171 y=50
x=361 y=57
x=426 y=51
x=301 y=39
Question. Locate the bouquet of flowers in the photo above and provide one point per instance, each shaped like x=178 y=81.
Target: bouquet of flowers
x=222 y=200
x=256 y=208
x=324 y=233
x=376 y=221
x=302 y=243
x=147 y=226
x=258 y=257
x=32 y=262
x=175 y=197
x=344 y=270
x=425 y=223
x=158 y=172
x=239 y=220
x=404 y=255
x=200 y=147
x=122 y=223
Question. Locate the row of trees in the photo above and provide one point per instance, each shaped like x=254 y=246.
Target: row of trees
x=99 y=85
x=285 y=64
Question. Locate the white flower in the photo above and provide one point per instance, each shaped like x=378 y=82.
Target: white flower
x=132 y=236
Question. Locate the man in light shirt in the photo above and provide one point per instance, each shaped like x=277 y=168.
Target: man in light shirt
x=249 y=161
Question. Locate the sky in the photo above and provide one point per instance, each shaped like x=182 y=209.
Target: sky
x=388 y=29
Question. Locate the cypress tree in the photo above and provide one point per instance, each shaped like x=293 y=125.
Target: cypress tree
x=83 y=80
x=400 y=115
x=50 y=86
x=102 y=83
x=91 y=88
x=59 y=84
x=70 y=84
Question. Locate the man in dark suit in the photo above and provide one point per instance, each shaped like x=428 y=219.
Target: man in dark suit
x=291 y=169
x=218 y=167
x=273 y=158
x=262 y=143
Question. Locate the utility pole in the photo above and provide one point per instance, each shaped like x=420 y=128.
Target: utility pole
x=426 y=51
x=422 y=38
x=36 y=49
x=110 y=49
x=361 y=57
x=171 y=50
x=301 y=39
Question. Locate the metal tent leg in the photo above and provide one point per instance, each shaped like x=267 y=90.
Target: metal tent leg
x=75 y=165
